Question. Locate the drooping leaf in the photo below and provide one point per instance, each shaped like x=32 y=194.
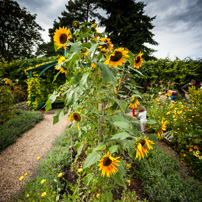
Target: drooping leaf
x=106 y=197
x=91 y=159
x=101 y=146
x=123 y=106
x=118 y=177
x=113 y=149
x=151 y=122
x=121 y=136
x=59 y=113
x=122 y=124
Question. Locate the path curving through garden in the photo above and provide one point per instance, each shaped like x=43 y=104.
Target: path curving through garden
x=21 y=156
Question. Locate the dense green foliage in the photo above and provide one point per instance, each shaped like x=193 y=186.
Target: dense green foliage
x=164 y=180
x=19 y=31
x=15 y=127
x=15 y=70
x=128 y=26
x=6 y=99
x=165 y=73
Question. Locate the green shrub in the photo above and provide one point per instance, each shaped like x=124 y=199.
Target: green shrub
x=13 y=128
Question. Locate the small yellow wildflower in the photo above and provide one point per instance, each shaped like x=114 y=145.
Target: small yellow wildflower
x=21 y=178
x=129 y=182
x=115 y=91
x=80 y=170
x=25 y=174
x=98 y=195
x=38 y=158
x=60 y=175
x=27 y=195
x=43 y=194
x=42 y=181
x=128 y=166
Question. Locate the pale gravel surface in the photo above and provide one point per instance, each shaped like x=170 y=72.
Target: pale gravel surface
x=21 y=156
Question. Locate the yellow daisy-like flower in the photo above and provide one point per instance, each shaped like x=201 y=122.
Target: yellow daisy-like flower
x=107 y=46
x=42 y=181
x=38 y=158
x=61 y=36
x=129 y=182
x=60 y=175
x=76 y=117
x=117 y=57
x=95 y=38
x=61 y=59
x=21 y=178
x=27 y=195
x=93 y=66
x=80 y=170
x=115 y=91
x=43 y=194
x=140 y=147
x=138 y=61
x=108 y=165
x=134 y=105
x=25 y=174
x=162 y=128
x=94 y=25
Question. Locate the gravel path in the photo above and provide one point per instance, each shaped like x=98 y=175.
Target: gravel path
x=21 y=156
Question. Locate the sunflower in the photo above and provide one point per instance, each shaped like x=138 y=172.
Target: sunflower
x=76 y=24
x=134 y=104
x=93 y=66
x=140 y=147
x=75 y=117
x=162 y=128
x=138 y=61
x=117 y=57
x=108 y=165
x=95 y=38
x=61 y=36
x=61 y=59
x=107 y=46
x=63 y=70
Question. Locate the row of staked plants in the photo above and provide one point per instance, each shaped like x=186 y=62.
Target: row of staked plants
x=107 y=141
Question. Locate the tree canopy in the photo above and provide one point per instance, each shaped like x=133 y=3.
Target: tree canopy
x=19 y=32
x=128 y=26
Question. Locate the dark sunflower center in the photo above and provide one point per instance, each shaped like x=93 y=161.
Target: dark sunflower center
x=116 y=57
x=106 y=46
x=107 y=161
x=142 y=142
x=76 y=117
x=138 y=59
x=63 y=38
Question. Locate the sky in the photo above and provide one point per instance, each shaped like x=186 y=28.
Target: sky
x=178 y=24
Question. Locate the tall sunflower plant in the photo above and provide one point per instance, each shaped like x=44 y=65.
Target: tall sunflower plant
x=94 y=71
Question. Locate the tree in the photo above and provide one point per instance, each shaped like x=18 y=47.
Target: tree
x=19 y=32
x=128 y=26
x=76 y=10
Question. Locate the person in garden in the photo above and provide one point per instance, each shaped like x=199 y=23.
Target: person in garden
x=172 y=94
x=142 y=116
x=185 y=89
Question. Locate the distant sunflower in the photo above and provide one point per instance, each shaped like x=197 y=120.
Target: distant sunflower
x=108 y=165
x=75 y=117
x=61 y=36
x=61 y=59
x=161 y=129
x=76 y=24
x=107 y=46
x=117 y=57
x=63 y=70
x=140 y=147
x=138 y=61
x=134 y=104
x=95 y=38
x=93 y=66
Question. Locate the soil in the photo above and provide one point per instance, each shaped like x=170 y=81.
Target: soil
x=21 y=156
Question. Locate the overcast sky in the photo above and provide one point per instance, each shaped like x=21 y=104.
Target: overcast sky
x=178 y=24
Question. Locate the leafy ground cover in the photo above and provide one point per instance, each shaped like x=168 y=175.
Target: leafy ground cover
x=13 y=128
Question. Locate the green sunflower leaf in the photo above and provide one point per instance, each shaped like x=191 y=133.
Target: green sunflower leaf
x=101 y=146
x=131 y=58
x=123 y=106
x=151 y=122
x=59 y=113
x=120 y=136
x=76 y=47
x=91 y=159
x=106 y=197
x=107 y=74
x=84 y=79
x=118 y=177
x=122 y=124
x=113 y=149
